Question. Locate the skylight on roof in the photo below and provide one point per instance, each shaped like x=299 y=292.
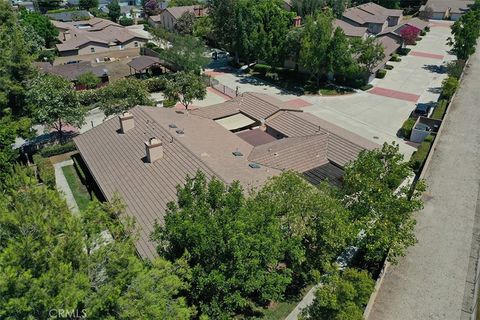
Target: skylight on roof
x=237 y=153
x=254 y=166
x=173 y=126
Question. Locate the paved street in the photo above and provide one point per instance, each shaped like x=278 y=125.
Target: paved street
x=436 y=278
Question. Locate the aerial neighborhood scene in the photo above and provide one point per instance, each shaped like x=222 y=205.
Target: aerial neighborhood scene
x=240 y=159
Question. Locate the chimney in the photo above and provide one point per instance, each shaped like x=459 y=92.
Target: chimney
x=126 y=122
x=154 y=150
x=297 y=21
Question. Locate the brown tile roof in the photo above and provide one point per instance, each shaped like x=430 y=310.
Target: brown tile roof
x=455 y=6
x=349 y=29
x=414 y=22
x=143 y=62
x=73 y=70
x=256 y=137
x=370 y=13
x=178 y=11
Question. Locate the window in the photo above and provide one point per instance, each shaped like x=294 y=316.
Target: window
x=135 y=44
x=92 y=50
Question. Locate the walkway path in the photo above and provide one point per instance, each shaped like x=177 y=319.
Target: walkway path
x=436 y=279
x=306 y=301
x=62 y=185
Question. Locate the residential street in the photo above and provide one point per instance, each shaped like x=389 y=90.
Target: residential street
x=435 y=280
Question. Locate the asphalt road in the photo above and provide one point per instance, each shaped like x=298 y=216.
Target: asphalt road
x=435 y=280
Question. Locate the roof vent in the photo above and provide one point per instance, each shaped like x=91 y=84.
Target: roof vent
x=237 y=153
x=180 y=131
x=173 y=126
x=154 y=150
x=254 y=166
x=126 y=122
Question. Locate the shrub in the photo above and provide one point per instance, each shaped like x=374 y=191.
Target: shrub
x=47 y=55
x=169 y=103
x=381 y=73
x=455 y=68
x=366 y=87
x=124 y=21
x=403 y=51
x=395 y=58
x=57 y=149
x=423 y=33
x=261 y=68
x=449 y=86
x=88 y=97
x=45 y=170
x=427 y=29
x=407 y=127
x=388 y=67
x=156 y=84
x=419 y=156
x=440 y=109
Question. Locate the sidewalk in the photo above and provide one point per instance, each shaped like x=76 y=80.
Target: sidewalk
x=63 y=187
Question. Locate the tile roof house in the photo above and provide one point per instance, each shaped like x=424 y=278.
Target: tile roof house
x=72 y=71
x=145 y=154
x=372 y=16
x=95 y=35
x=447 y=9
x=167 y=19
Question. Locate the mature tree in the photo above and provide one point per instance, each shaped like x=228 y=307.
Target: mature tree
x=308 y=7
x=369 y=52
x=235 y=252
x=465 y=34
x=54 y=102
x=122 y=95
x=15 y=62
x=426 y=14
x=45 y=5
x=409 y=34
x=187 y=52
x=52 y=259
x=342 y=296
x=203 y=28
x=42 y=26
x=151 y=7
x=185 y=87
x=315 y=42
x=455 y=68
x=449 y=86
x=185 y=23
x=114 y=10
x=89 y=80
x=271 y=28
x=293 y=45
x=382 y=210
x=224 y=23
x=339 y=57
x=33 y=41
x=88 y=4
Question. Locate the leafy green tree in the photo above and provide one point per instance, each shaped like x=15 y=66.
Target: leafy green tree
x=203 y=28
x=122 y=95
x=88 y=4
x=465 y=34
x=235 y=252
x=449 y=86
x=382 y=210
x=181 y=3
x=369 y=52
x=52 y=259
x=34 y=42
x=54 y=102
x=187 y=52
x=223 y=14
x=273 y=23
x=185 y=23
x=341 y=296
x=89 y=80
x=185 y=87
x=42 y=26
x=114 y=10
x=339 y=57
x=455 y=68
x=315 y=42
x=46 y=5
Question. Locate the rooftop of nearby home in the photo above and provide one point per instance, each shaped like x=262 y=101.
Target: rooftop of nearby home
x=370 y=13
x=277 y=139
x=454 y=6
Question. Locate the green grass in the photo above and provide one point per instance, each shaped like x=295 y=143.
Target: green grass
x=281 y=310
x=80 y=192
x=439 y=111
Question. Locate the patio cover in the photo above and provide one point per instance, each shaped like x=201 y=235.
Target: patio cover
x=235 y=122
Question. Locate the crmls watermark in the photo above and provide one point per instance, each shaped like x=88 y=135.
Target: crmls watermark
x=68 y=313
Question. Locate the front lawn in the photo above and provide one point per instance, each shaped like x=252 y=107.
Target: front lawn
x=79 y=190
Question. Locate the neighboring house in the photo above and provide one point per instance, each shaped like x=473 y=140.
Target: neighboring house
x=168 y=18
x=131 y=12
x=69 y=16
x=372 y=16
x=105 y=2
x=94 y=36
x=446 y=9
x=350 y=30
x=72 y=71
x=142 y=156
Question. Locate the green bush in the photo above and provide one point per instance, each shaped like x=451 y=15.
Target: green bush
x=406 y=129
x=388 y=67
x=124 y=21
x=45 y=170
x=47 y=55
x=57 y=149
x=89 y=97
x=423 y=33
x=261 y=68
x=395 y=58
x=366 y=87
x=404 y=51
x=381 y=73
x=169 y=103
x=449 y=86
x=419 y=156
x=156 y=84
x=427 y=29
x=440 y=109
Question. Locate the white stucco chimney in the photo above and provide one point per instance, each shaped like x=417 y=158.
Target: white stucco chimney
x=154 y=150
x=126 y=122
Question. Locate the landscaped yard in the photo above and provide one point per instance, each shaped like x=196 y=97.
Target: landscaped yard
x=79 y=190
x=281 y=310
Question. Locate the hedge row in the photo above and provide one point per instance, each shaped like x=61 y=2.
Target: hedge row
x=439 y=111
x=407 y=127
x=45 y=169
x=57 y=149
x=381 y=73
x=404 y=51
x=419 y=156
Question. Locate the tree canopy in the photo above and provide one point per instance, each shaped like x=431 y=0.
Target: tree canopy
x=114 y=11
x=465 y=34
x=185 y=23
x=185 y=87
x=41 y=25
